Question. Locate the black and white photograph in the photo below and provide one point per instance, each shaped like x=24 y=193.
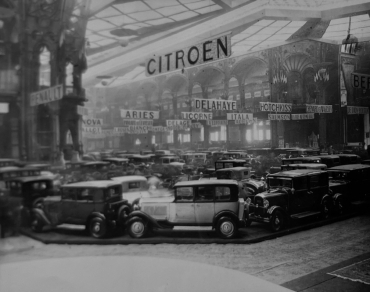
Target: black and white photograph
x=184 y=145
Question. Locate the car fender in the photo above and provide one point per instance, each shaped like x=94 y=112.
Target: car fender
x=337 y=196
x=42 y=215
x=143 y=216
x=326 y=197
x=221 y=214
x=272 y=209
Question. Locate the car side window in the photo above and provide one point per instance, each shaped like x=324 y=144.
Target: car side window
x=133 y=185
x=69 y=194
x=84 y=195
x=300 y=183
x=314 y=181
x=223 y=194
x=184 y=194
x=204 y=194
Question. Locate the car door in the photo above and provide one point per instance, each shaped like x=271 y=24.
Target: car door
x=184 y=205
x=317 y=190
x=298 y=199
x=204 y=205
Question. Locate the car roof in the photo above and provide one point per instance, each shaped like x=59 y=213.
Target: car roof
x=206 y=182
x=326 y=156
x=115 y=159
x=350 y=167
x=129 y=178
x=141 y=156
x=302 y=158
x=87 y=163
x=318 y=165
x=296 y=173
x=239 y=168
x=348 y=155
x=92 y=184
x=15 y=168
x=33 y=178
x=231 y=160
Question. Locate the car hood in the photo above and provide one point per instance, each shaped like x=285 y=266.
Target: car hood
x=272 y=193
x=337 y=182
x=132 y=196
x=168 y=199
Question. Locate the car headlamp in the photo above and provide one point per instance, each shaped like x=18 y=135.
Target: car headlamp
x=248 y=201
x=266 y=204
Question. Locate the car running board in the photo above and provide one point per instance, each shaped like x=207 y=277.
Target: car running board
x=305 y=214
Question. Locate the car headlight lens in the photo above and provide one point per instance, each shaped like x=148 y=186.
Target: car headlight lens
x=248 y=201
x=266 y=204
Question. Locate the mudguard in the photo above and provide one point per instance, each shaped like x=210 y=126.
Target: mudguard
x=42 y=215
x=272 y=209
x=93 y=215
x=326 y=197
x=144 y=216
x=230 y=214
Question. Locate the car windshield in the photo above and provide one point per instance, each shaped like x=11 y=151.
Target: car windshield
x=112 y=192
x=338 y=175
x=279 y=182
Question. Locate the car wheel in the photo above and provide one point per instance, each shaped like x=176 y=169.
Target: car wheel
x=277 y=221
x=226 y=227
x=325 y=209
x=137 y=228
x=37 y=223
x=97 y=227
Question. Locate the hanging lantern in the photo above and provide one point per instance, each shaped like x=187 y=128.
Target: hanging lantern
x=350 y=43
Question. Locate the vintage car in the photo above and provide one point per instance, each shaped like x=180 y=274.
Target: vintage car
x=160 y=153
x=296 y=160
x=236 y=155
x=141 y=159
x=330 y=160
x=228 y=163
x=98 y=205
x=249 y=187
x=349 y=183
x=292 y=194
x=195 y=203
x=29 y=191
x=7 y=162
x=349 y=159
x=119 y=162
x=293 y=166
x=169 y=160
x=134 y=187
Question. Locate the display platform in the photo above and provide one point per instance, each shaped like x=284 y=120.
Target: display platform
x=257 y=232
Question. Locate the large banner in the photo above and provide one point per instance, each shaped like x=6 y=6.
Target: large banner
x=309 y=116
x=217 y=123
x=144 y=115
x=196 y=116
x=214 y=104
x=357 y=110
x=137 y=123
x=320 y=109
x=207 y=51
x=47 y=95
x=275 y=107
x=239 y=116
x=183 y=123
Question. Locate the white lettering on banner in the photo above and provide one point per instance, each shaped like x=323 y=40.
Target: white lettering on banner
x=215 y=104
x=266 y=92
x=242 y=122
x=257 y=94
x=275 y=107
x=127 y=130
x=137 y=123
x=278 y=117
x=140 y=128
x=183 y=123
x=309 y=116
x=47 y=95
x=241 y=116
x=357 y=110
x=90 y=122
x=217 y=123
x=82 y=111
x=360 y=80
x=209 y=50
x=196 y=116
x=91 y=129
x=312 y=108
x=134 y=114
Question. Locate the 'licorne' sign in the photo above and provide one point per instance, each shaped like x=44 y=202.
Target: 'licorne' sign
x=207 y=51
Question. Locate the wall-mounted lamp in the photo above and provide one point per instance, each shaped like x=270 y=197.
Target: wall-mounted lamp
x=350 y=43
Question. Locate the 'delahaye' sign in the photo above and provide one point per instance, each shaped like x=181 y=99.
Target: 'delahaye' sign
x=207 y=51
x=214 y=104
x=136 y=114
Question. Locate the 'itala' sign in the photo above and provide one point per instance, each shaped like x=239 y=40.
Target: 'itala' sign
x=46 y=95
x=134 y=114
x=207 y=51
x=214 y=104
x=241 y=116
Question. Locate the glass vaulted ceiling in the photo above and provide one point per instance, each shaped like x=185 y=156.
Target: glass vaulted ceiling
x=129 y=20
